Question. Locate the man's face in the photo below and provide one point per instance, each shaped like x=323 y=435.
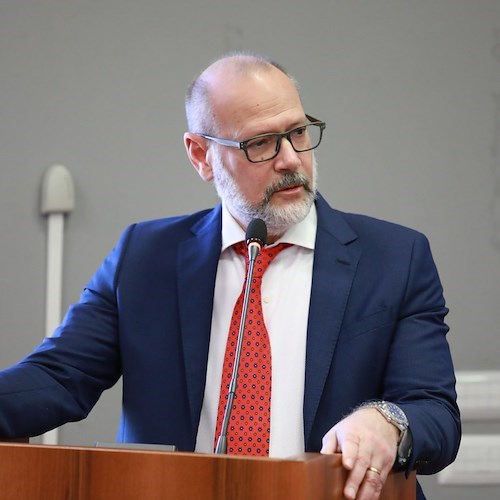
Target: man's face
x=278 y=217
x=281 y=190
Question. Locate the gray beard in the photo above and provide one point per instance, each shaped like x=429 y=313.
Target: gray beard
x=277 y=219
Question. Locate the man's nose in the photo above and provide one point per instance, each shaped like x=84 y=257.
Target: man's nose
x=288 y=158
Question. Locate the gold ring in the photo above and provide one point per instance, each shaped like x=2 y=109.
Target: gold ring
x=374 y=469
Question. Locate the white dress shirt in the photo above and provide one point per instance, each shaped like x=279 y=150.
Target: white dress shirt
x=286 y=291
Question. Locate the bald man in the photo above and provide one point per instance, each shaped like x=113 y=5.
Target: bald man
x=353 y=308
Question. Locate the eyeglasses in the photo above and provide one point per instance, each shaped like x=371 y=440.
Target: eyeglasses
x=265 y=147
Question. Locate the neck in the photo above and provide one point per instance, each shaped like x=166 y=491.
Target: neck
x=273 y=238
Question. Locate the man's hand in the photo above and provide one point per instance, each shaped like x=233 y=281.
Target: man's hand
x=368 y=443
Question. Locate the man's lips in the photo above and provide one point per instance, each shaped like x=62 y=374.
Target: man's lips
x=290 y=189
x=290 y=186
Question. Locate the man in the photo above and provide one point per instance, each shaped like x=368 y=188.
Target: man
x=353 y=306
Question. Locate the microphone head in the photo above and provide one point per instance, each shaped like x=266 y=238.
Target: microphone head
x=256 y=232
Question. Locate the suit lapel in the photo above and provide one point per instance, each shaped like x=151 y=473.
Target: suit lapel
x=335 y=264
x=333 y=272
x=198 y=258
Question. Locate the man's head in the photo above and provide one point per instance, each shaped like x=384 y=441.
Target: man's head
x=238 y=97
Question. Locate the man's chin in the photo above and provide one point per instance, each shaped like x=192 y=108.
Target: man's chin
x=281 y=216
x=279 y=212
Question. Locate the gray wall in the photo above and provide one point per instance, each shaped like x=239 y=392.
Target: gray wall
x=410 y=90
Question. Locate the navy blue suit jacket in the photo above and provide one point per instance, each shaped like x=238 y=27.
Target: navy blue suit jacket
x=375 y=330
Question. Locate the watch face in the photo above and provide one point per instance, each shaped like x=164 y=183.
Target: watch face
x=392 y=412
x=396 y=414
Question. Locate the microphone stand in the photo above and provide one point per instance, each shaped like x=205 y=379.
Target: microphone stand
x=253 y=251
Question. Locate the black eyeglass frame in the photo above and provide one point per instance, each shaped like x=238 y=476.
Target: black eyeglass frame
x=280 y=135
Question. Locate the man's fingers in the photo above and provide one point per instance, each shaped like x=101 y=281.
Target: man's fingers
x=368 y=446
x=350 y=451
x=368 y=473
x=329 y=443
x=357 y=474
x=372 y=484
x=365 y=482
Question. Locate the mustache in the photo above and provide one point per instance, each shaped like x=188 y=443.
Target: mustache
x=289 y=180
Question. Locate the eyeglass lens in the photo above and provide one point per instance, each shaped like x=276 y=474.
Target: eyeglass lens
x=302 y=138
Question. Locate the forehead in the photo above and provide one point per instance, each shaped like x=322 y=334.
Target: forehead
x=256 y=102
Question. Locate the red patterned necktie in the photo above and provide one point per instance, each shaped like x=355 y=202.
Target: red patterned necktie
x=249 y=427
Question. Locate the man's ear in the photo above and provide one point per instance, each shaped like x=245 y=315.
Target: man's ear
x=197 y=149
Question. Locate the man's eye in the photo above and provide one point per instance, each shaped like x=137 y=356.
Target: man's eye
x=260 y=142
x=299 y=131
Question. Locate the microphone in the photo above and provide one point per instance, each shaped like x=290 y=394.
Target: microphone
x=255 y=238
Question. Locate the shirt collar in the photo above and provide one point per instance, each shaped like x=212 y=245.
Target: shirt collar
x=302 y=234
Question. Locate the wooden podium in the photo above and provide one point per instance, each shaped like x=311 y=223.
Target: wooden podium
x=61 y=472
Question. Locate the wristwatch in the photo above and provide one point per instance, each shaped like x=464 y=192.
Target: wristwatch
x=396 y=416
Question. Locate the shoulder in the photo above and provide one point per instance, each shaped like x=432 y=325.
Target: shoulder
x=366 y=225
x=363 y=227
x=146 y=245
x=176 y=228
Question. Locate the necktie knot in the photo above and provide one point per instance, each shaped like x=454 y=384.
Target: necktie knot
x=265 y=257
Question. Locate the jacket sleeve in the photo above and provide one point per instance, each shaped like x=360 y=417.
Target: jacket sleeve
x=62 y=379
x=420 y=375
